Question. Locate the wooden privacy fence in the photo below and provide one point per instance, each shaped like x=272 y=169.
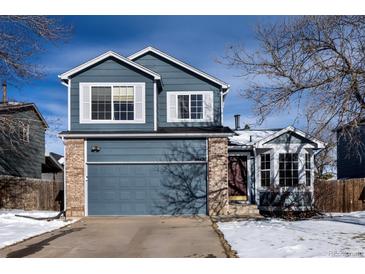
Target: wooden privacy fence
x=30 y=194
x=340 y=195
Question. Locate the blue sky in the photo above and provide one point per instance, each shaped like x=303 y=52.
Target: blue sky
x=197 y=40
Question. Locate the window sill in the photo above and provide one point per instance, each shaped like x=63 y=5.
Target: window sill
x=189 y=121
x=112 y=122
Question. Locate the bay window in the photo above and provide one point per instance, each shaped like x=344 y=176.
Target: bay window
x=288 y=169
x=265 y=170
x=308 y=179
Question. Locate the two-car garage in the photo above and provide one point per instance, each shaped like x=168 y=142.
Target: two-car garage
x=146 y=176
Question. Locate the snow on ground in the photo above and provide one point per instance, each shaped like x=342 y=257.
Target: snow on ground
x=335 y=235
x=15 y=229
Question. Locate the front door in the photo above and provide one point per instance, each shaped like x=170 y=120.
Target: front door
x=237 y=178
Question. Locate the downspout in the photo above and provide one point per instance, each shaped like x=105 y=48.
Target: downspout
x=253 y=178
x=64 y=176
x=63 y=141
x=222 y=103
x=68 y=85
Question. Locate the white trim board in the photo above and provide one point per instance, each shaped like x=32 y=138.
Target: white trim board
x=319 y=143
x=67 y=74
x=145 y=162
x=180 y=63
x=143 y=135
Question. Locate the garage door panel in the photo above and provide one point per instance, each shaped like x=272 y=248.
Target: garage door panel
x=147 y=150
x=143 y=189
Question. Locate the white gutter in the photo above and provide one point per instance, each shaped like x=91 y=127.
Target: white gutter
x=143 y=135
x=222 y=104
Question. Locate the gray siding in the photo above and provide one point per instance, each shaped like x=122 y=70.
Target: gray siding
x=176 y=78
x=110 y=70
x=24 y=159
x=349 y=163
x=147 y=150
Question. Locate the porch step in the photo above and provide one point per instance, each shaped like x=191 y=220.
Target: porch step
x=243 y=210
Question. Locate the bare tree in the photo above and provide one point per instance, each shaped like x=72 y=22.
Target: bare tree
x=22 y=37
x=313 y=63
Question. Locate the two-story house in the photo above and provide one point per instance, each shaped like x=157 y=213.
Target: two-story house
x=22 y=139
x=144 y=137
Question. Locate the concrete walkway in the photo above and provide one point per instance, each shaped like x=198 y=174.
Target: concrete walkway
x=125 y=237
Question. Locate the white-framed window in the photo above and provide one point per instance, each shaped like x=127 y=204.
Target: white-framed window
x=190 y=106
x=24 y=133
x=288 y=169
x=265 y=169
x=112 y=102
x=308 y=175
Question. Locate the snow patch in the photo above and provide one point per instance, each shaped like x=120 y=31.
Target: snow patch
x=339 y=235
x=15 y=229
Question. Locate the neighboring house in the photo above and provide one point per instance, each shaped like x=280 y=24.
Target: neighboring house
x=52 y=169
x=144 y=137
x=351 y=154
x=273 y=167
x=22 y=140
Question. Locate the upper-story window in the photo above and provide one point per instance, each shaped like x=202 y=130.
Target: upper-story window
x=112 y=103
x=122 y=105
x=123 y=102
x=190 y=106
x=101 y=107
x=24 y=132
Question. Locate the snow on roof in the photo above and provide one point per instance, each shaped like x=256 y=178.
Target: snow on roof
x=247 y=137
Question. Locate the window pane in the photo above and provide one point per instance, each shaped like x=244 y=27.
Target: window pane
x=183 y=106
x=288 y=169
x=196 y=106
x=265 y=170
x=123 y=100
x=101 y=103
x=307 y=178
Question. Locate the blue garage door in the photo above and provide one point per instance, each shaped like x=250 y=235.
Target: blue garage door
x=147 y=177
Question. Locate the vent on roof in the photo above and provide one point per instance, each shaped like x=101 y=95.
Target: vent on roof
x=5 y=99
x=237 y=122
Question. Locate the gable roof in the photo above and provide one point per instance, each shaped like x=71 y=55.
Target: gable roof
x=257 y=138
x=180 y=63
x=15 y=106
x=64 y=76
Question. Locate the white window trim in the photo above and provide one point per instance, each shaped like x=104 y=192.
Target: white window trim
x=99 y=84
x=176 y=93
x=270 y=170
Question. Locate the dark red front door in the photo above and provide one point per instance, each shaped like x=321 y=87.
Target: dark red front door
x=237 y=178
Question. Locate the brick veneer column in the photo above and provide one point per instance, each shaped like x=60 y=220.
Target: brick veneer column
x=75 y=199
x=217 y=176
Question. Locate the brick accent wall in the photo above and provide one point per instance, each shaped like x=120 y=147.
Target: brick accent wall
x=75 y=192
x=217 y=176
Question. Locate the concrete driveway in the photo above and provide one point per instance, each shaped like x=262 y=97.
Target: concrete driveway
x=125 y=237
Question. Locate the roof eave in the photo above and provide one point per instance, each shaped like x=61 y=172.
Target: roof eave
x=66 y=75
x=224 y=85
